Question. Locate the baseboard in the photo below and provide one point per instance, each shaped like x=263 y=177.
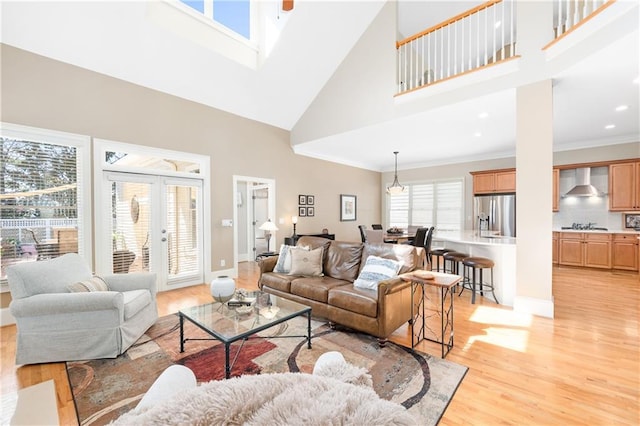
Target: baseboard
x=6 y=318
x=540 y=307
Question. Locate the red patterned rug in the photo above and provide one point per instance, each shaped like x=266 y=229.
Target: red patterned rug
x=105 y=389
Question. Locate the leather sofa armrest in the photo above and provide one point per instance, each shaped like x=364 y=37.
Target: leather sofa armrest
x=392 y=285
x=267 y=264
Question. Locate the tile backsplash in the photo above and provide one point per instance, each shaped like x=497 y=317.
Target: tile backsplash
x=586 y=209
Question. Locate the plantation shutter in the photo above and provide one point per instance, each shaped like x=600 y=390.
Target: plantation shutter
x=40 y=196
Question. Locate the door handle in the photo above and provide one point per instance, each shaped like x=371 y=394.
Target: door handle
x=163 y=239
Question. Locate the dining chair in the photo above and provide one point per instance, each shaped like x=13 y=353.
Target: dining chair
x=376 y=226
x=363 y=235
x=374 y=236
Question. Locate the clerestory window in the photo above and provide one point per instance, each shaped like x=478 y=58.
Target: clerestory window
x=233 y=14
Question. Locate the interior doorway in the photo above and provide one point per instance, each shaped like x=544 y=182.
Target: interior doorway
x=254 y=204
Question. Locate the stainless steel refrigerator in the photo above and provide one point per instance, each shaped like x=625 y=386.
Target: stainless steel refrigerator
x=495 y=215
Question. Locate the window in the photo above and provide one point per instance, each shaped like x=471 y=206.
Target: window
x=437 y=203
x=43 y=199
x=233 y=14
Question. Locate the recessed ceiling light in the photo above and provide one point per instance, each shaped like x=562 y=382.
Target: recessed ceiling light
x=610 y=126
x=622 y=107
x=477 y=134
x=636 y=80
x=497 y=24
x=483 y=115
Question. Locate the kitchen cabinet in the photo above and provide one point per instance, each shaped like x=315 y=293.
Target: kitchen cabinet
x=556 y=190
x=494 y=181
x=624 y=186
x=625 y=251
x=592 y=250
x=554 y=248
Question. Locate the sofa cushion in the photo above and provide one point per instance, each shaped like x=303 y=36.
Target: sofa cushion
x=343 y=260
x=277 y=281
x=404 y=253
x=135 y=301
x=350 y=298
x=314 y=243
x=376 y=269
x=306 y=262
x=315 y=288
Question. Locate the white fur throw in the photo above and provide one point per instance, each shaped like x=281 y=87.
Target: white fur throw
x=282 y=399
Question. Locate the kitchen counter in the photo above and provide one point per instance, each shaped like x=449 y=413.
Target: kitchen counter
x=472 y=237
x=597 y=231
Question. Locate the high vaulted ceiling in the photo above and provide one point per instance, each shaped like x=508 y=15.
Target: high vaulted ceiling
x=118 y=39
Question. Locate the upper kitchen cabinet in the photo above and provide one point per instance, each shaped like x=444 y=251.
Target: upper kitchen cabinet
x=494 y=181
x=624 y=186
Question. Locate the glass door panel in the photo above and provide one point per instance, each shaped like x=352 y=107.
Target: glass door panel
x=183 y=231
x=130 y=226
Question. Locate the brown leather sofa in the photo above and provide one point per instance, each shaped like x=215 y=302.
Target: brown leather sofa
x=333 y=295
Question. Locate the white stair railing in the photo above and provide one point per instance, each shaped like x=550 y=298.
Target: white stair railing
x=470 y=40
x=569 y=13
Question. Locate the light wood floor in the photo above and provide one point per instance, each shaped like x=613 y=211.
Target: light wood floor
x=582 y=367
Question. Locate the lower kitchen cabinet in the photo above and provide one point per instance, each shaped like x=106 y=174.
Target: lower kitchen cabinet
x=585 y=249
x=554 y=248
x=625 y=251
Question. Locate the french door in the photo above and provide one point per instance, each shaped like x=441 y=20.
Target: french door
x=155 y=225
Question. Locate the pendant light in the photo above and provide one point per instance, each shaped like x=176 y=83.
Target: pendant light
x=395 y=187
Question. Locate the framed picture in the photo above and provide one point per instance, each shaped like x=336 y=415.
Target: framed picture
x=632 y=221
x=302 y=200
x=310 y=201
x=311 y=211
x=347 y=207
x=302 y=211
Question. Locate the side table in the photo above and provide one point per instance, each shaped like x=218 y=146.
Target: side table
x=420 y=330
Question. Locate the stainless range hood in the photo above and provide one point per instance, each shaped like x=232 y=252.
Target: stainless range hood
x=583 y=186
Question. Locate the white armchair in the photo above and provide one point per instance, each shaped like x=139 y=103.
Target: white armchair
x=55 y=324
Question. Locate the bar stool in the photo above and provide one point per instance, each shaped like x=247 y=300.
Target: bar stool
x=477 y=265
x=437 y=253
x=455 y=258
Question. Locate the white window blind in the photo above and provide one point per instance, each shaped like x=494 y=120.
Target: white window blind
x=41 y=195
x=436 y=203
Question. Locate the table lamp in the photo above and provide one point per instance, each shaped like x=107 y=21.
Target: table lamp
x=294 y=220
x=268 y=227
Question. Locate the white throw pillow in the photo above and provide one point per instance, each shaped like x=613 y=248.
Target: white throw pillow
x=376 y=269
x=306 y=262
x=284 y=258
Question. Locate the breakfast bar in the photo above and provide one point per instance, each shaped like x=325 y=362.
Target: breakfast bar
x=502 y=250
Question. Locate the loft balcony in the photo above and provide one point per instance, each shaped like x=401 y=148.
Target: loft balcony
x=476 y=39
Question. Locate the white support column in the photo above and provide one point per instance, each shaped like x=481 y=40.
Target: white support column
x=534 y=164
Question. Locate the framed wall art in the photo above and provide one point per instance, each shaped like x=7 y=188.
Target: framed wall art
x=302 y=200
x=302 y=211
x=347 y=207
x=311 y=211
x=311 y=200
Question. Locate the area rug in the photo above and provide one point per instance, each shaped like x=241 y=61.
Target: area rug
x=105 y=389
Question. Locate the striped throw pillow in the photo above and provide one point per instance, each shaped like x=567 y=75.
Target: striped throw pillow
x=376 y=269
x=92 y=284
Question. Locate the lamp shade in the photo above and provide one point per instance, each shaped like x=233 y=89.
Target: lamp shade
x=269 y=226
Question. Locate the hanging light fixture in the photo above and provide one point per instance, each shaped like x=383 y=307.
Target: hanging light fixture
x=395 y=187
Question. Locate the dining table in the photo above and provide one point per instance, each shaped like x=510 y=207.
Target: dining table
x=398 y=237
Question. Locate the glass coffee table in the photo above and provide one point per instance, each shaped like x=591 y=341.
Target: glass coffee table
x=230 y=324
